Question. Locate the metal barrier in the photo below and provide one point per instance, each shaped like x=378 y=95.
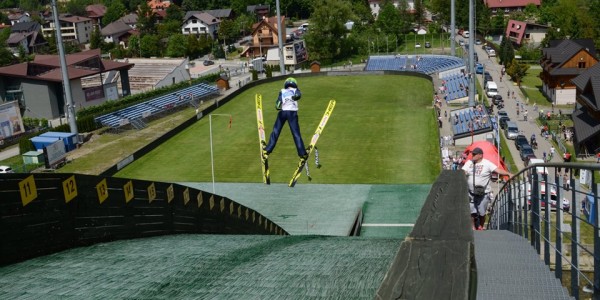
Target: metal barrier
x=555 y=206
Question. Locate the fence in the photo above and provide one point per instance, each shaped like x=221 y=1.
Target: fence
x=559 y=213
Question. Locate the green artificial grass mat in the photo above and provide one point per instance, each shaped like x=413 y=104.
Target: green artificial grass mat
x=382 y=130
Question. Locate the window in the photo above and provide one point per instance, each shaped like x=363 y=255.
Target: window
x=581 y=64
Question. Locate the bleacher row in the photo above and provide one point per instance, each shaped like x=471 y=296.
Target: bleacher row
x=428 y=64
x=462 y=120
x=453 y=89
x=156 y=105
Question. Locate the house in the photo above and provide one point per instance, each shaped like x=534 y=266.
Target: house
x=264 y=36
x=96 y=12
x=117 y=32
x=222 y=14
x=586 y=117
x=25 y=34
x=38 y=87
x=561 y=62
x=18 y=17
x=506 y=7
x=130 y=19
x=73 y=29
x=261 y=11
x=521 y=33
x=375 y=6
x=198 y=22
x=159 y=5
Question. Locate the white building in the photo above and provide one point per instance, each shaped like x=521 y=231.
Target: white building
x=196 y=22
x=73 y=28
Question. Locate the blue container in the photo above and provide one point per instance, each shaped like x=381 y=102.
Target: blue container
x=70 y=139
x=39 y=142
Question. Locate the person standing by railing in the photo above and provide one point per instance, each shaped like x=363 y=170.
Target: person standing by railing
x=479 y=173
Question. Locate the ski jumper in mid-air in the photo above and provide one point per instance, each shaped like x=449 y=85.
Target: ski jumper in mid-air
x=288 y=111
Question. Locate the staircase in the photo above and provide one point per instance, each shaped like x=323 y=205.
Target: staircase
x=509 y=268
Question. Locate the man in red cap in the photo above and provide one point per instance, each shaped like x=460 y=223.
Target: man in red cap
x=479 y=173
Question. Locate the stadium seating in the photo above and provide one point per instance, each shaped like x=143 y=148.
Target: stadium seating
x=478 y=120
x=428 y=64
x=156 y=105
x=453 y=84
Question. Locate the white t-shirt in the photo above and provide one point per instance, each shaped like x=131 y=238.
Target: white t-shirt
x=483 y=173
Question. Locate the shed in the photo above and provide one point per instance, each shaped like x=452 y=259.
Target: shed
x=39 y=142
x=33 y=157
x=70 y=139
x=315 y=66
x=223 y=82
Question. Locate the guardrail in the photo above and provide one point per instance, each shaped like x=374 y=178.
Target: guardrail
x=564 y=230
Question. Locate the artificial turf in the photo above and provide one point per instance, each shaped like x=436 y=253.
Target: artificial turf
x=383 y=130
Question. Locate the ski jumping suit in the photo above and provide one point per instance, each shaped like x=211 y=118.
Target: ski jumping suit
x=289 y=112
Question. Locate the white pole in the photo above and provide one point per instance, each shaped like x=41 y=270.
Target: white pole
x=212 y=161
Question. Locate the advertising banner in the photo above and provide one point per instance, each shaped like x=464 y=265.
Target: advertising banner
x=300 y=51
x=11 y=122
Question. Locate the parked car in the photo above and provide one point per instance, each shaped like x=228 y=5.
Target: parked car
x=477 y=42
x=208 y=62
x=566 y=204
x=502 y=121
x=520 y=141
x=427 y=45
x=418 y=45
x=497 y=99
x=478 y=69
x=526 y=153
x=6 y=169
x=487 y=77
x=540 y=170
x=502 y=113
x=461 y=43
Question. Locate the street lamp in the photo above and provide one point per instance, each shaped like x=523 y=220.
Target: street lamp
x=212 y=161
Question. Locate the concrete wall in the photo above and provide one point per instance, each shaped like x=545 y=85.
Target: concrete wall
x=38 y=100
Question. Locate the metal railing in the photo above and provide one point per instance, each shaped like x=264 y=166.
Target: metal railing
x=555 y=206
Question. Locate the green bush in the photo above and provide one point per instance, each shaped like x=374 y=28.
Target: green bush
x=25 y=145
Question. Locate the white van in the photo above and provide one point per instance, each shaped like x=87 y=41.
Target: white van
x=540 y=170
x=491 y=89
x=465 y=34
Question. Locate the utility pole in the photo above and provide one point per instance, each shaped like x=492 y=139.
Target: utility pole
x=452 y=28
x=280 y=27
x=65 y=76
x=472 y=90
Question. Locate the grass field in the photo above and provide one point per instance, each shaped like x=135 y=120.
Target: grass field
x=383 y=130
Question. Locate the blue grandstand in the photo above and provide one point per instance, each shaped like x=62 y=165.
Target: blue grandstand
x=157 y=105
x=455 y=86
x=428 y=64
x=467 y=121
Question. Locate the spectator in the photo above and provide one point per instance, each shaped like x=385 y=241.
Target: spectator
x=479 y=172
x=566 y=184
x=567 y=157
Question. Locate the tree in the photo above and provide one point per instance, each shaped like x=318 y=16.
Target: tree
x=174 y=13
x=419 y=12
x=150 y=46
x=134 y=46
x=389 y=21
x=193 y=47
x=6 y=57
x=517 y=71
x=114 y=12
x=228 y=31
x=96 y=39
x=327 y=34
x=498 y=24
x=484 y=24
x=76 y=7
x=177 y=46
x=146 y=19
